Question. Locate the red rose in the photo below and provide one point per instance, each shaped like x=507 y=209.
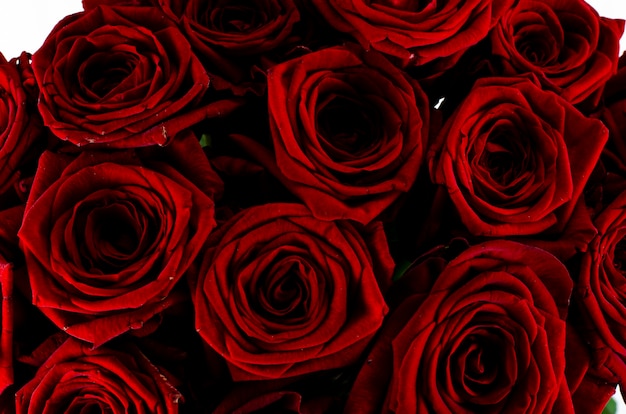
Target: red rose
x=570 y=49
x=107 y=235
x=415 y=32
x=229 y=37
x=18 y=125
x=600 y=287
x=120 y=76
x=349 y=132
x=79 y=379
x=280 y=293
x=482 y=332
x=236 y=28
x=514 y=159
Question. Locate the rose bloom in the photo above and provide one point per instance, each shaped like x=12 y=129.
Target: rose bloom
x=600 y=287
x=279 y=293
x=415 y=32
x=19 y=125
x=106 y=237
x=120 y=76
x=79 y=379
x=230 y=37
x=514 y=159
x=349 y=132
x=481 y=332
x=566 y=44
x=236 y=28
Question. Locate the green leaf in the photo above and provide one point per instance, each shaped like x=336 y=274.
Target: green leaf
x=611 y=407
x=205 y=141
x=400 y=269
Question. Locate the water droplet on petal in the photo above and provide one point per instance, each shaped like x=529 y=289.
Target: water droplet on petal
x=136 y=325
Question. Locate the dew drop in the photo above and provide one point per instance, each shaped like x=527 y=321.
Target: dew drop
x=136 y=325
x=175 y=398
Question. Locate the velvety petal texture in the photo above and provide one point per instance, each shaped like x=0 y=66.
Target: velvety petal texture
x=230 y=37
x=601 y=292
x=79 y=379
x=514 y=158
x=482 y=333
x=106 y=237
x=238 y=27
x=315 y=206
x=19 y=125
x=279 y=293
x=349 y=132
x=121 y=76
x=566 y=44
x=415 y=32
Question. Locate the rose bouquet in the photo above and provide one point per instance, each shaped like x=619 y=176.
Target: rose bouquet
x=315 y=206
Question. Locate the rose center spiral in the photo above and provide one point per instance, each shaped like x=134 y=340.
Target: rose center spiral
x=503 y=157
x=482 y=363
x=285 y=294
x=538 y=36
x=110 y=235
x=229 y=17
x=347 y=125
x=105 y=72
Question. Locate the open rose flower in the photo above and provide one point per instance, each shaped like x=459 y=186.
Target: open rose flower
x=514 y=159
x=106 y=237
x=349 y=132
x=483 y=332
x=570 y=49
x=414 y=32
x=79 y=379
x=231 y=37
x=239 y=28
x=600 y=288
x=120 y=76
x=280 y=293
